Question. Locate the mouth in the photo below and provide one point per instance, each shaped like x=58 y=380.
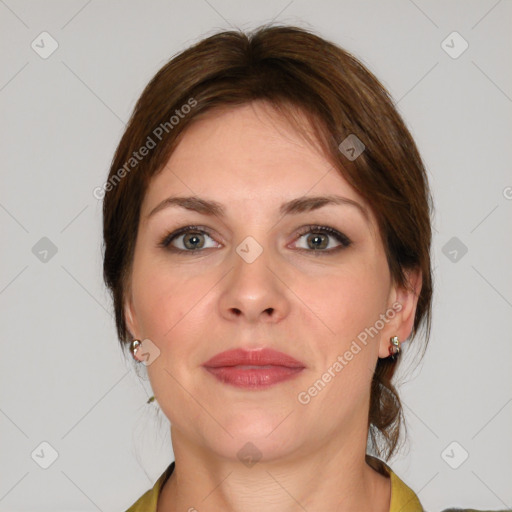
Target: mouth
x=253 y=369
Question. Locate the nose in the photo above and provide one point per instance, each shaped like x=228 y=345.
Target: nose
x=255 y=290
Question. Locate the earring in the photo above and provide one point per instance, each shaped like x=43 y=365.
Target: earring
x=394 y=347
x=134 y=346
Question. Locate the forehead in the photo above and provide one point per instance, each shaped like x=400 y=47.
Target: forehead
x=249 y=153
x=252 y=137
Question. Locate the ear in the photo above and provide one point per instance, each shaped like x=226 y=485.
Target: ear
x=403 y=301
x=130 y=317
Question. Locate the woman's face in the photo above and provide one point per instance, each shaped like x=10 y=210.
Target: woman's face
x=255 y=278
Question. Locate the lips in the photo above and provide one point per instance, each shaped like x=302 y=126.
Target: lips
x=253 y=369
x=260 y=357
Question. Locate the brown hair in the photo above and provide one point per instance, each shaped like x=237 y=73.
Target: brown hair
x=292 y=69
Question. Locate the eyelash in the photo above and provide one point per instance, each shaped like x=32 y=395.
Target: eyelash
x=340 y=237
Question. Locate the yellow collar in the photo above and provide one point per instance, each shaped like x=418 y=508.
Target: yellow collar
x=403 y=498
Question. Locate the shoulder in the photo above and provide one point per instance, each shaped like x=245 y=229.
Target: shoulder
x=403 y=498
x=148 y=501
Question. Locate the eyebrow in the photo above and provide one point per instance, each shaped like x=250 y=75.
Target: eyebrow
x=295 y=206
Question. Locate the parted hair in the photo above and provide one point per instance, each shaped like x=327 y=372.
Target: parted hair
x=294 y=70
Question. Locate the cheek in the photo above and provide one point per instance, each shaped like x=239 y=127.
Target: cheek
x=175 y=311
x=344 y=305
x=345 y=302
x=153 y=304
x=161 y=297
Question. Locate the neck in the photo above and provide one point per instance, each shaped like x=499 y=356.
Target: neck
x=328 y=478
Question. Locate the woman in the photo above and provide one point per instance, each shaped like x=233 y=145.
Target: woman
x=267 y=245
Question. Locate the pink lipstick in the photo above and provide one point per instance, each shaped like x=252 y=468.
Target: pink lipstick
x=253 y=369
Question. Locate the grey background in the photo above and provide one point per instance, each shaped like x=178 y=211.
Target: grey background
x=63 y=378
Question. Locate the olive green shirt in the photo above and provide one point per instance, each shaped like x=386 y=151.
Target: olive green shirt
x=403 y=498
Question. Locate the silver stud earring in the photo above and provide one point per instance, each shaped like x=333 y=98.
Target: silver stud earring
x=394 y=347
x=134 y=346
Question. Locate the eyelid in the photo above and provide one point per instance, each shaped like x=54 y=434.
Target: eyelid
x=342 y=239
x=169 y=237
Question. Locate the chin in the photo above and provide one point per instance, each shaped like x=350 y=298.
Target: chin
x=255 y=437
x=250 y=450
